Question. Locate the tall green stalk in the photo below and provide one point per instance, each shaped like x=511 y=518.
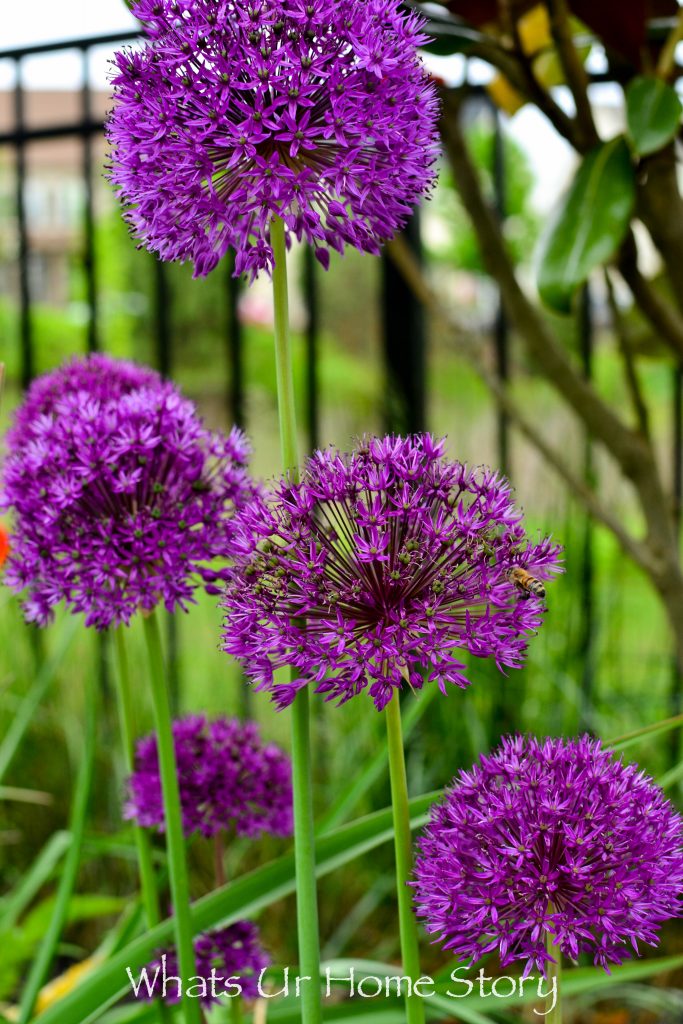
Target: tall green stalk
x=67 y=882
x=554 y=973
x=148 y=887
x=410 y=950
x=304 y=841
x=175 y=840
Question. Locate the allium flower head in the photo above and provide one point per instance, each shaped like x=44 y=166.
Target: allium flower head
x=318 y=111
x=121 y=497
x=229 y=780
x=551 y=837
x=234 y=952
x=380 y=563
x=98 y=376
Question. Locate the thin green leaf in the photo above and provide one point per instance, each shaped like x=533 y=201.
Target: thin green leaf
x=24 y=716
x=586 y=979
x=244 y=897
x=589 y=224
x=67 y=882
x=671 y=777
x=656 y=728
x=375 y=768
x=653 y=114
x=16 y=902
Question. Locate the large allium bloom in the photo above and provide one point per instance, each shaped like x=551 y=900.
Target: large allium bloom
x=550 y=837
x=379 y=564
x=318 y=111
x=98 y=376
x=121 y=497
x=233 y=952
x=229 y=779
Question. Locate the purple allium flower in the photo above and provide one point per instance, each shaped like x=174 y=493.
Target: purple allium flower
x=98 y=376
x=121 y=497
x=317 y=111
x=234 y=954
x=550 y=837
x=229 y=779
x=379 y=564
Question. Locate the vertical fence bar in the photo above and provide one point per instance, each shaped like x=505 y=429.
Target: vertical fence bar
x=511 y=696
x=587 y=634
x=235 y=347
x=162 y=319
x=25 y=322
x=90 y=275
x=404 y=344
x=501 y=327
x=27 y=359
x=89 y=256
x=312 y=417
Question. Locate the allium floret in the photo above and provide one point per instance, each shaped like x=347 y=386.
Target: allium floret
x=380 y=564
x=230 y=780
x=122 y=499
x=224 y=958
x=98 y=376
x=234 y=112
x=550 y=837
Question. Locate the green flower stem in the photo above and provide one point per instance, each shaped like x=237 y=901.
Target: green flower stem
x=283 y=352
x=304 y=841
x=175 y=840
x=148 y=886
x=410 y=950
x=554 y=973
x=67 y=882
x=236 y=1007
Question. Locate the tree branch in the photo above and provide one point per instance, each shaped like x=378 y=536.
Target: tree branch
x=667 y=58
x=662 y=316
x=631 y=451
x=414 y=277
x=630 y=371
x=574 y=72
x=519 y=74
x=624 y=444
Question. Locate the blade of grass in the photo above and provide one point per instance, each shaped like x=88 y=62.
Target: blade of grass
x=374 y=769
x=244 y=897
x=41 y=965
x=14 y=904
x=629 y=739
x=24 y=716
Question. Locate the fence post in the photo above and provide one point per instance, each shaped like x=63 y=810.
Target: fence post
x=89 y=254
x=404 y=344
x=25 y=323
x=501 y=326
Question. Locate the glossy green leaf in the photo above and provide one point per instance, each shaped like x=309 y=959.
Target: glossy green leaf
x=653 y=114
x=244 y=897
x=589 y=224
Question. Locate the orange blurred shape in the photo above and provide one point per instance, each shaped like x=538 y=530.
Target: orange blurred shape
x=611 y=1017
x=4 y=545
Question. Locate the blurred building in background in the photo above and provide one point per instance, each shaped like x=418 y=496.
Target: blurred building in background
x=54 y=191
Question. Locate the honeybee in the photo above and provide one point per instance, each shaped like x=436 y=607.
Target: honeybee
x=526 y=584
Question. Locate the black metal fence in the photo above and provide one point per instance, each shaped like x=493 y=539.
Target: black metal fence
x=405 y=345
